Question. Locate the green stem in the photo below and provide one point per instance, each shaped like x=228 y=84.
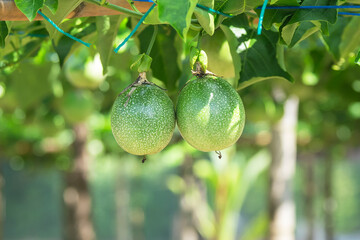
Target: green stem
x=199 y=39
x=152 y=41
x=195 y=28
x=117 y=8
x=133 y=6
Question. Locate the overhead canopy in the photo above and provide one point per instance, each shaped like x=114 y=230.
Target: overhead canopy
x=9 y=11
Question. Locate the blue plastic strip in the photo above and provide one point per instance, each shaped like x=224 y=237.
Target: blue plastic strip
x=310 y=7
x=135 y=28
x=60 y=30
x=349 y=13
x=261 y=18
x=213 y=10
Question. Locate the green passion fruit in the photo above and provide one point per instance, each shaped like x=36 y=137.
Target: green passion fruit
x=210 y=114
x=84 y=71
x=143 y=124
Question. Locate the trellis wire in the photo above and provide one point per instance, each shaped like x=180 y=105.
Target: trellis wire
x=62 y=31
x=264 y=7
x=135 y=28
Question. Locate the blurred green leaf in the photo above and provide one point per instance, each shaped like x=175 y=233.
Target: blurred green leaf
x=20 y=54
x=52 y=5
x=233 y=44
x=3 y=33
x=350 y=39
x=107 y=28
x=64 y=9
x=257 y=229
x=30 y=89
x=335 y=36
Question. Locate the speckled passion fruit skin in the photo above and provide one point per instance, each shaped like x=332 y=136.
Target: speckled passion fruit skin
x=210 y=114
x=146 y=125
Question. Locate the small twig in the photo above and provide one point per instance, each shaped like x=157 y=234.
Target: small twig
x=133 y=6
x=219 y=154
x=199 y=71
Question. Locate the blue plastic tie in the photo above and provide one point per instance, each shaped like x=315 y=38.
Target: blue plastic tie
x=135 y=28
x=311 y=7
x=63 y=32
x=213 y=10
x=261 y=19
x=349 y=13
x=262 y=13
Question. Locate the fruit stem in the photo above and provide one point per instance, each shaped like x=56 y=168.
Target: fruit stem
x=152 y=41
x=199 y=39
x=144 y=159
x=219 y=154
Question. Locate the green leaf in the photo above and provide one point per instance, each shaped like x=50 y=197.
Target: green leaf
x=107 y=28
x=3 y=33
x=350 y=39
x=206 y=20
x=52 y=5
x=203 y=60
x=357 y=59
x=64 y=9
x=153 y=17
x=197 y=55
x=29 y=7
x=177 y=14
x=277 y=15
x=329 y=15
x=335 y=36
x=259 y=62
x=236 y=6
x=164 y=55
x=193 y=57
x=142 y=63
x=344 y=39
x=233 y=44
x=294 y=33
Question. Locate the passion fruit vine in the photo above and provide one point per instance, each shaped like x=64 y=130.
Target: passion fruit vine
x=143 y=118
x=210 y=113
